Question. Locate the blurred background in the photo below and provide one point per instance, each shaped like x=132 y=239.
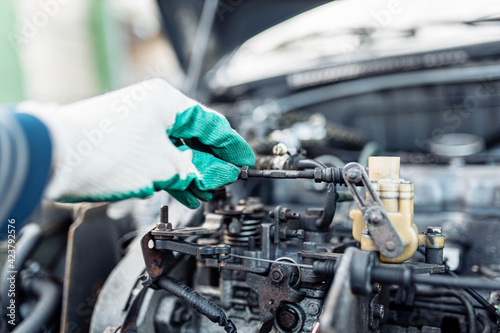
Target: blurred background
x=64 y=51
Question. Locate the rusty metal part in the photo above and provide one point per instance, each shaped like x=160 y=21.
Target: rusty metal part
x=290 y=318
x=157 y=262
x=376 y=219
x=272 y=294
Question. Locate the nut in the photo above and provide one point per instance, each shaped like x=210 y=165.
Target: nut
x=434 y=230
x=280 y=149
x=277 y=275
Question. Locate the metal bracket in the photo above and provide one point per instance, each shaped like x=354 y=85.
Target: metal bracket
x=375 y=216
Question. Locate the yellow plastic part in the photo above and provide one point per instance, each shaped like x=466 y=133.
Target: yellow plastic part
x=397 y=197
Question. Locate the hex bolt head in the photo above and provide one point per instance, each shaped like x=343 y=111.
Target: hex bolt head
x=161 y=226
x=309 y=246
x=434 y=230
x=277 y=275
x=313 y=309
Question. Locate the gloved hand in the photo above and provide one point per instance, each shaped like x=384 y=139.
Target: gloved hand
x=137 y=140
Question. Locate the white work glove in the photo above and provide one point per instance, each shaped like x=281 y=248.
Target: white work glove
x=133 y=141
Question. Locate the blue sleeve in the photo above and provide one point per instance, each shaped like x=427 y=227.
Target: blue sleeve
x=25 y=164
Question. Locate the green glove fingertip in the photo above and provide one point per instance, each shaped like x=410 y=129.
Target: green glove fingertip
x=213 y=130
x=186 y=198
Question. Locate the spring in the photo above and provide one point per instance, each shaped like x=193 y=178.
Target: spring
x=249 y=230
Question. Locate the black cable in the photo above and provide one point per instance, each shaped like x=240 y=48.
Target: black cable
x=204 y=306
x=489 y=307
x=48 y=294
x=452 y=293
x=436 y=280
x=439 y=307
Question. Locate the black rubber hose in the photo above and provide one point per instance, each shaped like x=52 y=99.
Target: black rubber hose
x=490 y=308
x=48 y=294
x=453 y=293
x=26 y=242
x=204 y=306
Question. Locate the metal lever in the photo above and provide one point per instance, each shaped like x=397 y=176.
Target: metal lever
x=377 y=220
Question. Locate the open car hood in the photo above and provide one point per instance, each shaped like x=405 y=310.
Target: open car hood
x=235 y=21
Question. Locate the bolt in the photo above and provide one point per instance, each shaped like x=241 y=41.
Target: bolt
x=376 y=218
x=309 y=247
x=161 y=226
x=434 y=230
x=277 y=275
x=390 y=246
x=280 y=149
x=353 y=175
x=164 y=214
x=313 y=309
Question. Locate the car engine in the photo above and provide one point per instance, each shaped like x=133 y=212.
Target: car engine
x=250 y=267
x=374 y=204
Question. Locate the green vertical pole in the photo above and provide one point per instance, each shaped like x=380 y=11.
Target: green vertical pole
x=11 y=76
x=108 y=44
